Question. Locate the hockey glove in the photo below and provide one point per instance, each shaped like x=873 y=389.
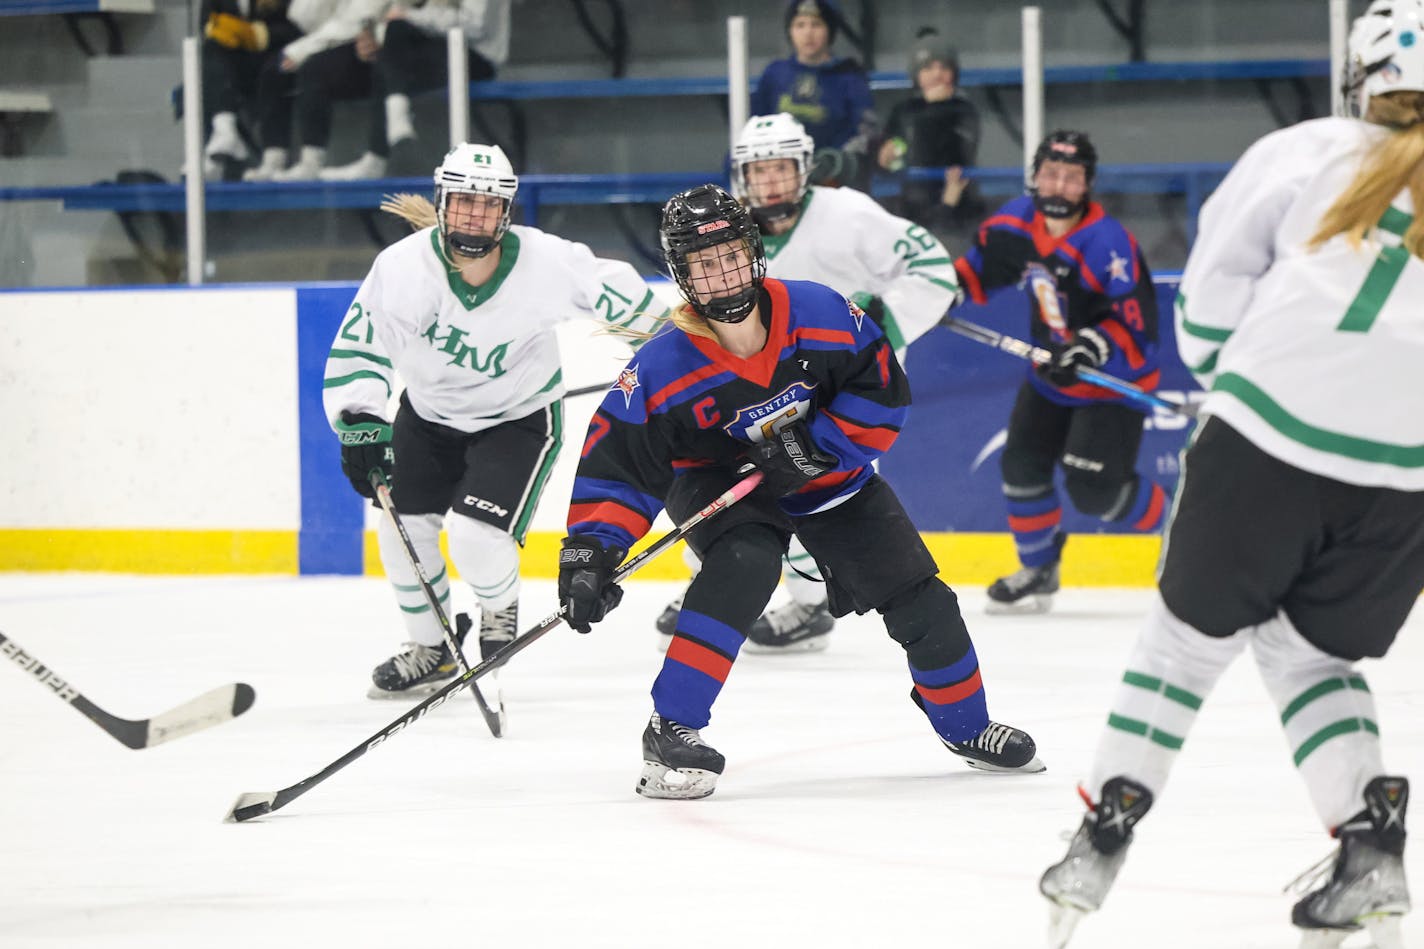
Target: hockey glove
x=790 y=460
x=1088 y=348
x=365 y=447
x=236 y=33
x=586 y=590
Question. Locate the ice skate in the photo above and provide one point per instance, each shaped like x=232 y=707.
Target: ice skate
x=1000 y=748
x=1363 y=880
x=666 y=622
x=1078 y=883
x=794 y=627
x=1028 y=590
x=677 y=764
x=498 y=628
x=419 y=670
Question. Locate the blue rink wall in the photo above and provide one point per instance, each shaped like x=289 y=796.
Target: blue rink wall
x=223 y=461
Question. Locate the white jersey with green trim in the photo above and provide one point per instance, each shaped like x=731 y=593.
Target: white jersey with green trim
x=474 y=357
x=846 y=241
x=1312 y=354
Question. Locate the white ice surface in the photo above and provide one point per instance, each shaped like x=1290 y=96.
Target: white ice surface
x=840 y=821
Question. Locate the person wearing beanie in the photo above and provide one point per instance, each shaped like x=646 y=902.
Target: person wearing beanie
x=936 y=128
x=828 y=94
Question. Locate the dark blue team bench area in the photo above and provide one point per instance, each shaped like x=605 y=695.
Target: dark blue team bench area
x=37 y=7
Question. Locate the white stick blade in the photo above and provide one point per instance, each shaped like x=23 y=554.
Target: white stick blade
x=251 y=805
x=209 y=709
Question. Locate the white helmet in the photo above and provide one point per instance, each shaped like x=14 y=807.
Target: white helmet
x=766 y=137
x=1385 y=53
x=474 y=169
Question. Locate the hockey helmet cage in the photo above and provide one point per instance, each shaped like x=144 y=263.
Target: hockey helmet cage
x=1066 y=146
x=766 y=138
x=474 y=169
x=702 y=217
x=1384 y=53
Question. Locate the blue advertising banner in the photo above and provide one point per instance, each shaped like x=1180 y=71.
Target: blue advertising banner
x=945 y=465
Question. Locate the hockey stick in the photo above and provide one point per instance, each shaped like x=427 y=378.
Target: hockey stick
x=255 y=804
x=588 y=390
x=210 y=708
x=495 y=720
x=1039 y=355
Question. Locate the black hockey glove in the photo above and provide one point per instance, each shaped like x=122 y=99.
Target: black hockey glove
x=365 y=447
x=1088 y=348
x=586 y=590
x=790 y=460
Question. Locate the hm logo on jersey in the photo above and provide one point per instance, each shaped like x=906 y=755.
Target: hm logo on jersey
x=453 y=344
x=758 y=422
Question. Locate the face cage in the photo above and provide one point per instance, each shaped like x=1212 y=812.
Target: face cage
x=728 y=309
x=803 y=173
x=470 y=249
x=1089 y=172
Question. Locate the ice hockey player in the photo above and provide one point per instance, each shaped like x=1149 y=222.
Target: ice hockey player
x=794 y=378
x=895 y=270
x=1299 y=526
x=464 y=310
x=1092 y=304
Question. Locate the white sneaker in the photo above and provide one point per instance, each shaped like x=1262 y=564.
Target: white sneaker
x=307 y=168
x=274 y=160
x=369 y=165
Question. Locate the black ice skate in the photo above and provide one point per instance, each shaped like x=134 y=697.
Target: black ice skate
x=666 y=622
x=419 y=670
x=794 y=627
x=677 y=764
x=1028 y=590
x=497 y=629
x=1366 y=887
x=1077 y=884
x=1001 y=748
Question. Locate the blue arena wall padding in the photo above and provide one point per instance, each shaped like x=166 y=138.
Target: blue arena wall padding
x=945 y=465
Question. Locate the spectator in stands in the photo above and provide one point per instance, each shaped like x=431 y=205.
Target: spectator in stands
x=402 y=54
x=827 y=94
x=319 y=68
x=936 y=128
x=241 y=57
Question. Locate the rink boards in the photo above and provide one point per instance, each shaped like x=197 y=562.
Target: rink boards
x=179 y=430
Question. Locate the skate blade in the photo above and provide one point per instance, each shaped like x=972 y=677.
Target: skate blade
x=686 y=784
x=1385 y=929
x=1031 y=605
x=1062 y=920
x=1034 y=765
x=814 y=644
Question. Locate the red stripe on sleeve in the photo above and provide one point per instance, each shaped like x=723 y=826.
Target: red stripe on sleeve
x=951 y=693
x=1124 y=341
x=879 y=439
x=699 y=657
x=607 y=512
x=970 y=279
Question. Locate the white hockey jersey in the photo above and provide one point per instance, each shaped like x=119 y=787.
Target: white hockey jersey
x=1313 y=355
x=473 y=357
x=846 y=241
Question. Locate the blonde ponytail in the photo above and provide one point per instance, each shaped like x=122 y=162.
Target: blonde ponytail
x=416 y=210
x=1394 y=164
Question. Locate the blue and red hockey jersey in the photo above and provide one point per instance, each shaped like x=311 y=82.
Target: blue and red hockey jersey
x=683 y=402
x=1095 y=275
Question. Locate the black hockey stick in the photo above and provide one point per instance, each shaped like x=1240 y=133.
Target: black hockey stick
x=1039 y=355
x=255 y=804
x=494 y=719
x=588 y=390
x=210 y=708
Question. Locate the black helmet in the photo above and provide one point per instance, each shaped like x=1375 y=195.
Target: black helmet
x=1065 y=146
x=706 y=216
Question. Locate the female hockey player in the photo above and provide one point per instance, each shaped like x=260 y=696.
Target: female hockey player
x=464 y=310
x=1299 y=528
x=895 y=270
x=790 y=376
x=1092 y=303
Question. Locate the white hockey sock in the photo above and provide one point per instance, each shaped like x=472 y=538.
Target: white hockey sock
x=398 y=122
x=1171 y=671
x=1328 y=715
x=424 y=530
x=488 y=560
x=808 y=590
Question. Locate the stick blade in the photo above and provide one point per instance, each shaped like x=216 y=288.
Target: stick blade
x=250 y=806
x=211 y=708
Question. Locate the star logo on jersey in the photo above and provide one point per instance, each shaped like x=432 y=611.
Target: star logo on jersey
x=856 y=313
x=627 y=382
x=1117 y=268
